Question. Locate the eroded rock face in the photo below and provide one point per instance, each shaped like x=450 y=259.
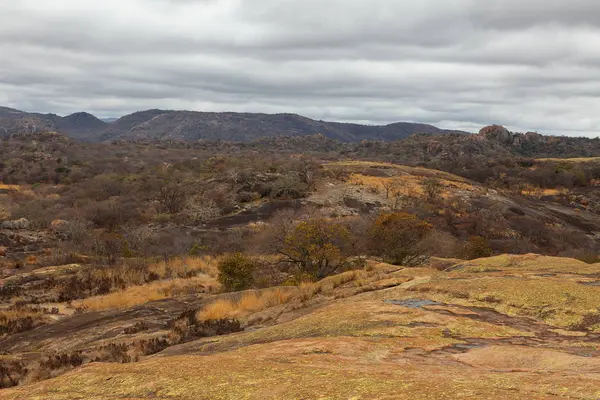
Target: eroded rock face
x=497 y=132
x=21 y=223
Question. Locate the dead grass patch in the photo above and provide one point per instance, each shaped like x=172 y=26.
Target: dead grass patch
x=406 y=185
x=20 y=319
x=15 y=188
x=248 y=303
x=185 y=266
x=137 y=295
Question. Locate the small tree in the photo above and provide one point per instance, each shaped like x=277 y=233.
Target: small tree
x=307 y=171
x=432 y=188
x=315 y=245
x=478 y=247
x=171 y=198
x=397 y=238
x=389 y=186
x=110 y=246
x=201 y=210
x=236 y=272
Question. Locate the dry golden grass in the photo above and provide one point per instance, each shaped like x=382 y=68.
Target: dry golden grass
x=360 y=166
x=571 y=160
x=539 y=192
x=220 y=309
x=178 y=268
x=327 y=286
x=184 y=266
x=16 y=188
x=137 y=295
x=406 y=185
x=20 y=319
x=249 y=303
x=19 y=313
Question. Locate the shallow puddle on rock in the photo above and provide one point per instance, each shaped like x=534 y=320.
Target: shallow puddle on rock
x=413 y=303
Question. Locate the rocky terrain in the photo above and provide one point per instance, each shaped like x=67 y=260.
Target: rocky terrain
x=519 y=327
x=297 y=268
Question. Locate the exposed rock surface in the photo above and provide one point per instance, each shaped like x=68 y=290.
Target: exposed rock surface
x=21 y=223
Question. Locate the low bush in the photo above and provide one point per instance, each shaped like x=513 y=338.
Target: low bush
x=398 y=238
x=236 y=272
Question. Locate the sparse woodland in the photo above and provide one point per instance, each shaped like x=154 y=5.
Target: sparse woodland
x=99 y=228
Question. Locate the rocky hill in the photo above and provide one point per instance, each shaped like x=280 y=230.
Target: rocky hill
x=507 y=327
x=116 y=283
x=81 y=125
x=192 y=126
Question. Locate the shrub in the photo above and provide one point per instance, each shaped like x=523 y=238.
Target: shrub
x=432 y=188
x=478 y=247
x=171 y=198
x=315 y=245
x=289 y=186
x=236 y=272
x=187 y=326
x=397 y=238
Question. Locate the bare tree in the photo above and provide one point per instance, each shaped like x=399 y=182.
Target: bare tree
x=433 y=188
x=389 y=186
x=398 y=202
x=171 y=198
x=200 y=210
x=76 y=231
x=307 y=171
x=141 y=240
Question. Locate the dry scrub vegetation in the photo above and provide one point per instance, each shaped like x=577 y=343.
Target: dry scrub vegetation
x=247 y=304
x=21 y=319
x=225 y=237
x=159 y=290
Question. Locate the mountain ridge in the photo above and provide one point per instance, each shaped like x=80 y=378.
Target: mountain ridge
x=156 y=124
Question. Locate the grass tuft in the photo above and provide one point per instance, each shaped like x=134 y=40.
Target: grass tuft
x=249 y=303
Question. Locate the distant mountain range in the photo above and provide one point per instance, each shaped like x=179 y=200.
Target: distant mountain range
x=193 y=126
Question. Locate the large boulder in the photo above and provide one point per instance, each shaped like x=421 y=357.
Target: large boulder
x=58 y=225
x=21 y=223
x=498 y=133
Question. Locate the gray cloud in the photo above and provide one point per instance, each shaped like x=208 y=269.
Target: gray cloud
x=531 y=65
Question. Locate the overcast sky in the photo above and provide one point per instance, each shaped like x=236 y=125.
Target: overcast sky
x=527 y=64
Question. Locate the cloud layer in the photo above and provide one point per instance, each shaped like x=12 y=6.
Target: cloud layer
x=530 y=65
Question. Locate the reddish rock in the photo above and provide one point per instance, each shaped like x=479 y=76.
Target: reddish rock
x=58 y=225
x=497 y=132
